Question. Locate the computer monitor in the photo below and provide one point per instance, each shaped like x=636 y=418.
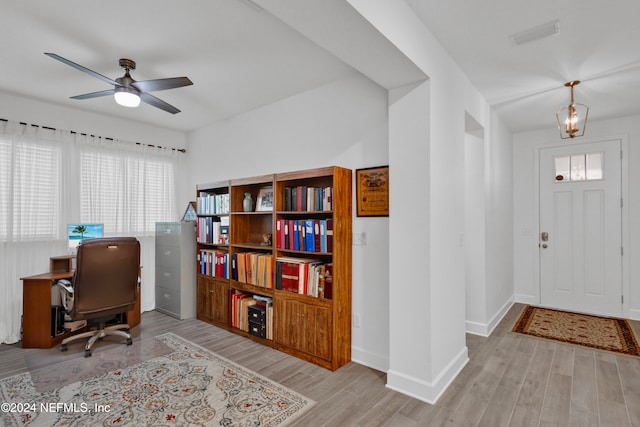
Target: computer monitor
x=78 y=232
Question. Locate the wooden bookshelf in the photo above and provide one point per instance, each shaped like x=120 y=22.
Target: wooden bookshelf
x=312 y=326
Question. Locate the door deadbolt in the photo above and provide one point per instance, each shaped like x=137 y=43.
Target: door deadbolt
x=544 y=236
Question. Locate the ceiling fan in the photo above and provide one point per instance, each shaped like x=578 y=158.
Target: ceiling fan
x=126 y=90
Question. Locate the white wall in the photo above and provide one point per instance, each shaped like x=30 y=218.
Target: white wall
x=474 y=234
x=70 y=119
x=499 y=221
x=488 y=235
x=342 y=124
x=438 y=343
x=410 y=296
x=525 y=228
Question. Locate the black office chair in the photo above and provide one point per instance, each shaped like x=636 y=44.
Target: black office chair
x=104 y=285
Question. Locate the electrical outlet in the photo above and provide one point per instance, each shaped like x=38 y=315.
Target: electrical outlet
x=356 y=320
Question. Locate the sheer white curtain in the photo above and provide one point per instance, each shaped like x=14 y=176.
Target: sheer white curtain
x=49 y=178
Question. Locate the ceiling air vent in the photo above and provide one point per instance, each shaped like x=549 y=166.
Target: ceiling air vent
x=536 y=33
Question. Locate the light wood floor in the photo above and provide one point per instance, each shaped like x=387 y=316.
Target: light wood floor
x=510 y=380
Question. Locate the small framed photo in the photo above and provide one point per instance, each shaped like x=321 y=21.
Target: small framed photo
x=265 y=200
x=372 y=191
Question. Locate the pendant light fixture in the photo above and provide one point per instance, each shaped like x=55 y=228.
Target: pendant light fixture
x=572 y=119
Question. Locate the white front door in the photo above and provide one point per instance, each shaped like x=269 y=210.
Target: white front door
x=581 y=227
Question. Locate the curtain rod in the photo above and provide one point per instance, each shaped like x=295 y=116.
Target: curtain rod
x=180 y=150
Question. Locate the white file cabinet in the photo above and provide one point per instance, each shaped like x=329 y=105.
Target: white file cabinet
x=175 y=269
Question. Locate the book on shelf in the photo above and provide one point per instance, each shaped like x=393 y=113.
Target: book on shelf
x=309 y=239
x=212 y=203
x=308 y=235
x=316 y=235
x=296 y=235
x=302 y=198
x=323 y=235
x=302 y=276
x=239 y=303
x=212 y=231
x=213 y=263
x=254 y=268
x=279 y=234
x=328 y=281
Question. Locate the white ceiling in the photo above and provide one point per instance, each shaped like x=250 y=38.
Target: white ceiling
x=240 y=57
x=598 y=43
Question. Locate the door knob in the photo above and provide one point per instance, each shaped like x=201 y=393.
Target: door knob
x=544 y=246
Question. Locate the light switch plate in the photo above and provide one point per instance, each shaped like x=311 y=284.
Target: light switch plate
x=360 y=239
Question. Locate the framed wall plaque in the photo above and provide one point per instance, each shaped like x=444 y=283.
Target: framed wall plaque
x=372 y=191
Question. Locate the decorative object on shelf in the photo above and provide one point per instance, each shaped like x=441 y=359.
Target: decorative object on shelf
x=265 y=200
x=372 y=191
x=190 y=213
x=247 y=203
x=266 y=239
x=570 y=116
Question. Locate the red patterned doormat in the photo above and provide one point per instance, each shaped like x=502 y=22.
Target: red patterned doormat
x=604 y=333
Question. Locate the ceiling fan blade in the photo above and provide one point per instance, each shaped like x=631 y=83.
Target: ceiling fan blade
x=158 y=103
x=162 y=84
x=95 y=94
x=83 y=69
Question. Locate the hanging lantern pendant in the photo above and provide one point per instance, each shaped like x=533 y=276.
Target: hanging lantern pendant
x=572 y=116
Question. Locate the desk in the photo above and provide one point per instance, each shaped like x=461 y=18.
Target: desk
x=36 y=310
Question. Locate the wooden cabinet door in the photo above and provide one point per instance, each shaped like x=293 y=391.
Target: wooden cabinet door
x=288 y=326
x=304 y=327
x=219 y=298
x=317 y=329
x=204 y=302
x=212 y=300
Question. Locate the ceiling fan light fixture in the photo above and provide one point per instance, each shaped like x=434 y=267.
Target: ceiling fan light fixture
x=572 y=119
x=126 y=97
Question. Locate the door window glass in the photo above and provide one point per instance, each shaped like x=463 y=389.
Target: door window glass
x=578 y=167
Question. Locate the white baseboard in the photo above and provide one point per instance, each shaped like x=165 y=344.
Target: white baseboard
x=485 y=329
x=634 y=314
x=378 y=362
x=424 y=390
x=526 y=299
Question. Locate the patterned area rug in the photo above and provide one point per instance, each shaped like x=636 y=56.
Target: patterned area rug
x=189 y=386
x=604 y=333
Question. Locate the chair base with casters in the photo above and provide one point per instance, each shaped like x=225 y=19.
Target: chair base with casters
x=121 y=330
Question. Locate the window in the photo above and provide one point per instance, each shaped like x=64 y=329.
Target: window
x=49 y=178
x=5 y=185
x=29 y=183
x=578 y=167
x=126 y=193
